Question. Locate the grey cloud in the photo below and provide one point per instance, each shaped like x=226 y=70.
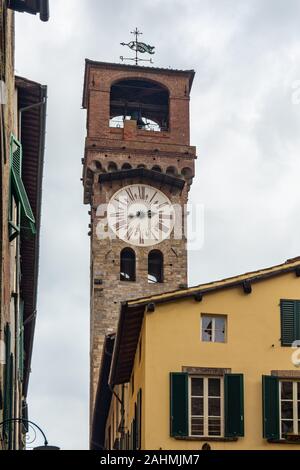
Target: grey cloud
x=246 y=55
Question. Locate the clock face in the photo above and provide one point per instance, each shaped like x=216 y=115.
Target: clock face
x=141 y=215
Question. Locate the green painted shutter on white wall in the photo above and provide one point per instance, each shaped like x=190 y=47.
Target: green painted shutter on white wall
x=27 y=218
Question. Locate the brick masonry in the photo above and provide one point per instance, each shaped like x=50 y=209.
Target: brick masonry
x=109 y=149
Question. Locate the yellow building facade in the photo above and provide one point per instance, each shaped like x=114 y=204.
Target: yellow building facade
x=214 y=366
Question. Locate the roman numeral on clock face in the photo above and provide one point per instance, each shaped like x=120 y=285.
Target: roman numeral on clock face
x=153 y=196
x=119 y=225
x=142 y=192
x=130 y=194
x=120 y=203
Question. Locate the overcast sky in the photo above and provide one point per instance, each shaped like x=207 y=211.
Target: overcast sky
x=246 y=126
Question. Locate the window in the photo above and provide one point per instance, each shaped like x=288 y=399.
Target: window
x=127 y=265
x=213 y=328
x=139 y=421
x=155 y=267
x=289 y=392
x=206 y=405
x=117 y=417
x=146 y=102
x=109 y=438
x=14 y=218
x=290 y=321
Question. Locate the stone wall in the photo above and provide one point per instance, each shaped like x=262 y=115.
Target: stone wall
x=108 y=150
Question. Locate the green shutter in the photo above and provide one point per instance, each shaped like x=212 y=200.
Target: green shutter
x=7 y=395
x=27 y=219
x=179 y=405
x=134 y=431
x=25 y=425
x=21 y=341
x=131 y=437
x=290 y=321
x=234 y=405
x=8 y=386
x=139 y=421
x=11 y=393
x=270 y=407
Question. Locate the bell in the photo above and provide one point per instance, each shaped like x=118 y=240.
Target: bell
x=137 y=116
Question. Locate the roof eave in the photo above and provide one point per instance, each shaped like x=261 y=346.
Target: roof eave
x=116 y=378
x=103 y=396
x=27 y=88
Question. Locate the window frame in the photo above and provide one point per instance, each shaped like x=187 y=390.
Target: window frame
x=206 y=416
x=128 y=261
x=213 y=317
x=295 y=401
x=156 y=259
x=289 y=325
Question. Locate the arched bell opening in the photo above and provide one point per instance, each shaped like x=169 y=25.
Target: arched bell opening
x=143 y=101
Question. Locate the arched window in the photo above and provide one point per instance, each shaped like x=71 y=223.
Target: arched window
x=146 y=102
x=127 y=265
x=187 y=173
x=155 y=267
x=126 y=166
x=171 y=171
x=112 y=166
x=157 y=168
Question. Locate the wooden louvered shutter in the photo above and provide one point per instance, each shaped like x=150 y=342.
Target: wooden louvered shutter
x=179 y=425
x=270 y=394
x=27 y=217
x=21 y=341
x=234 y=405
x=8 y=386
x=139 y=421
x=290 y=321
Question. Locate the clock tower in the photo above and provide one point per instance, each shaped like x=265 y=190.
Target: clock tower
x=137 y=171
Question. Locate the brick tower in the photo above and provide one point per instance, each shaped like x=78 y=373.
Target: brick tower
x=137 y=145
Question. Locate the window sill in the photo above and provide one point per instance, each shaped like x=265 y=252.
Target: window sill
x=206 y=439
x=283 y=441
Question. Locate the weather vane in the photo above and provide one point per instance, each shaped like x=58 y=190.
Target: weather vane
x=138 y=46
